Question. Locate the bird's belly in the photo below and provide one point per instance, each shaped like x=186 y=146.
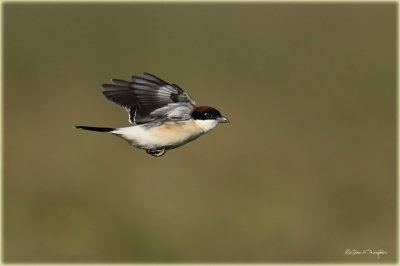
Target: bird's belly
x=169 y=135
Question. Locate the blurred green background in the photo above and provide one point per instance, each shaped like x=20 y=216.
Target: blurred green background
x=305 y=170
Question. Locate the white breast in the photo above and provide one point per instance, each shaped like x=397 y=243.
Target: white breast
x=168 y=135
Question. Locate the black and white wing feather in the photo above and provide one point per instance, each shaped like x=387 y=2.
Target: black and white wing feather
x=150 y=98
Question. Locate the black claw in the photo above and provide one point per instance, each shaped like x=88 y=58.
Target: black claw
x=156 y=152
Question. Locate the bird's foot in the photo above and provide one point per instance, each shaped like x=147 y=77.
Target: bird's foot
x=156 y=152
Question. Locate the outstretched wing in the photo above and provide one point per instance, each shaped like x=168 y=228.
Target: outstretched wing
x=149 y=98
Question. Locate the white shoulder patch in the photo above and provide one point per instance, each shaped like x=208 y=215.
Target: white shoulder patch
x=174 y=111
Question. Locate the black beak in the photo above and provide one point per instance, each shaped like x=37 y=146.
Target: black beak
x=222 y=119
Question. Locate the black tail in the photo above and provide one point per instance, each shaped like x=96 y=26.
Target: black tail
x=99 y=129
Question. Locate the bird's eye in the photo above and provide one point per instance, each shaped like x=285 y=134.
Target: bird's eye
x=207 y=115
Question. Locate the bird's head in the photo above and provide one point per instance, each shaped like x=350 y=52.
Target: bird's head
x=208 y=113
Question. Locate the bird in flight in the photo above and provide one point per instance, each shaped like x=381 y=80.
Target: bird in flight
x=164 y=117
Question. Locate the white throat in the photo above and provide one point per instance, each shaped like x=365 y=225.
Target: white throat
x=206 y=125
